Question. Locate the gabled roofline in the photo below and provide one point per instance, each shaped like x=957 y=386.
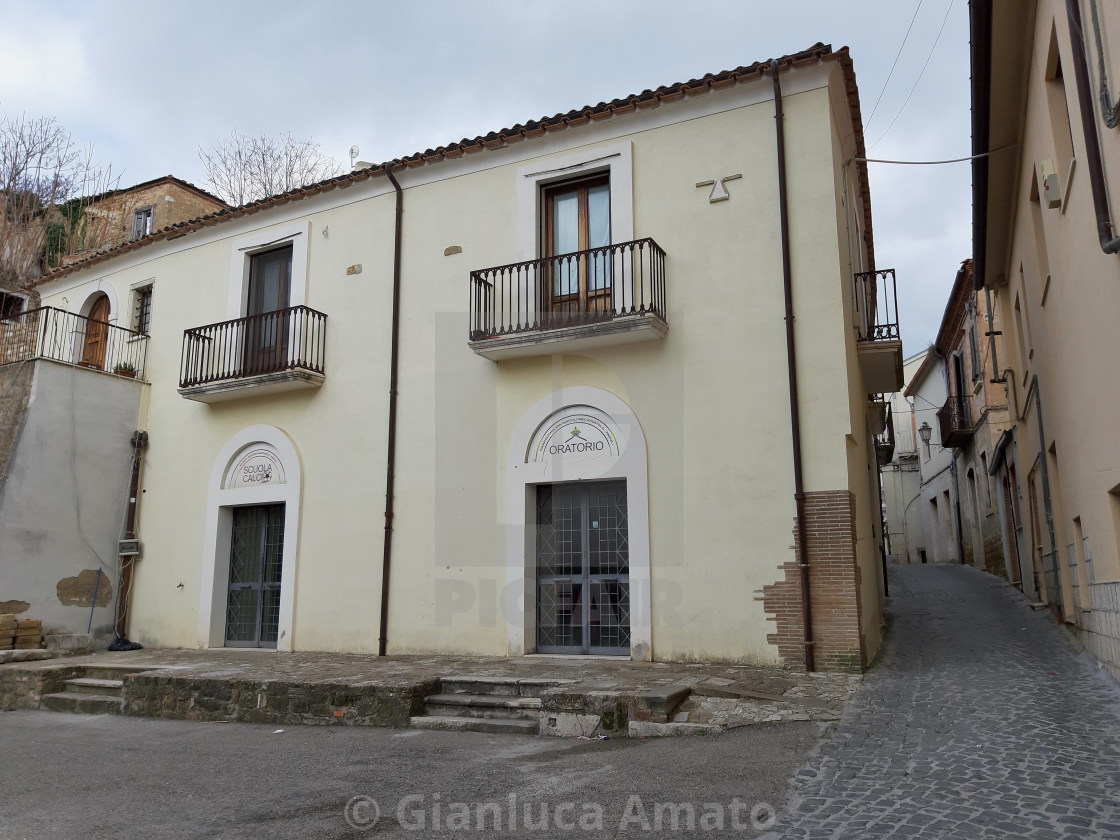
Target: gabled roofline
x=93 y=199
x=921 y=372
x=645 y=100
x=953 y=316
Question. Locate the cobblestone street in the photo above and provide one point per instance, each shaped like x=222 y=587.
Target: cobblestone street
x=978 y=721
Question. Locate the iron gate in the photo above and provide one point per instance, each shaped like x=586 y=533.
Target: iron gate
x=255 y=562
x=583 y=568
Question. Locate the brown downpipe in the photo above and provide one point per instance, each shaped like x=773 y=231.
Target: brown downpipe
x=791 y=359
x=139 y=442
x=1109 y=243
x=391 y=458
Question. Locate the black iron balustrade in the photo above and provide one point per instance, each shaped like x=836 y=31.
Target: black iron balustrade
x=955 y=418
x=877 y=302
x=568 y=290
x=50 y=333
x=285 y=339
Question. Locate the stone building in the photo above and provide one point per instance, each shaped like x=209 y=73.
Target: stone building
x=128 y=214
x=972 y=419
x=1046 y=184
x=600 y=383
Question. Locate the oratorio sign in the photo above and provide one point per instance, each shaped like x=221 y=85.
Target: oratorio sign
x=256 y=467
x=579 y=434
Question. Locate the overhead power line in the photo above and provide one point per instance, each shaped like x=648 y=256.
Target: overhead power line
x=875 y=107
x=916 y=81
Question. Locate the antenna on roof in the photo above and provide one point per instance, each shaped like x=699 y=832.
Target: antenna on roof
x=353 y=155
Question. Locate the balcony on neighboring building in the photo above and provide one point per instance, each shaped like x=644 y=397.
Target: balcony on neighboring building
x=49 y=333
x=884 y=431
x=878 y=343
x=569 y=302
x=269 y=353
x=955 y=418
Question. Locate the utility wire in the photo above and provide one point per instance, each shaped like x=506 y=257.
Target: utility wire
x=934 y=162
x=875 y=107
x=916 y=81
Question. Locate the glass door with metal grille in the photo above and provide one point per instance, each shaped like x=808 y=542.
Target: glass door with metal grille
x=583 y=568
x=256 y=558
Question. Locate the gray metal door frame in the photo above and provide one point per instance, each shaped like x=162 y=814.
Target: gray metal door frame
x=257 y=536
x=582 y=567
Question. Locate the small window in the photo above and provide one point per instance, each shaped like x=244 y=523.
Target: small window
x=142 y=222
x=142 y=311
x=10 y=305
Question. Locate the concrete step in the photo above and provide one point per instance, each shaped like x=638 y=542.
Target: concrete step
x=499 y=686
x=496 y=726
x=483 y=706
x=89 y=685
x=86 y=704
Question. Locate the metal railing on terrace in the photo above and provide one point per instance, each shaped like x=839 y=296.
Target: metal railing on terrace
x=568 y=290
x=285 y=339
x=877 y=301
x=49 y=333
x=955 y=418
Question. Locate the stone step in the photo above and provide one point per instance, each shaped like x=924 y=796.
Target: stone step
x=499 y=686
x=85 y=704
x=112 y=672
x=496 y=726
x=89 y=685
x=483 y=706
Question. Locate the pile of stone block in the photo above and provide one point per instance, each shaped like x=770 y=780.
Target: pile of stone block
x=20 y=635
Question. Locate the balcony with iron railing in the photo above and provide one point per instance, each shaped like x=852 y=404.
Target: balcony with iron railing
x=569 y=302
x=878 y=340
x=955 y=418
x=277 y=351
x=50 y=333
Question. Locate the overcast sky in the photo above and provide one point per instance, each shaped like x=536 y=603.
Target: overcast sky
x=145 y=84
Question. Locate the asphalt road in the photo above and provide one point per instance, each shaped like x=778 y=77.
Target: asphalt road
x=79 y=776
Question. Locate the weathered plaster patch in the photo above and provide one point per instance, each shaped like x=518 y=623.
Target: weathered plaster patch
x=78 y=591
x=13 y=607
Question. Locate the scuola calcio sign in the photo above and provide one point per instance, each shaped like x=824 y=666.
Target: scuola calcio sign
x=257 y=466
x=577 y=433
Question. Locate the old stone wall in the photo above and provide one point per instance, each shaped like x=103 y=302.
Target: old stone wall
x=834 y=587
x=1100 y=625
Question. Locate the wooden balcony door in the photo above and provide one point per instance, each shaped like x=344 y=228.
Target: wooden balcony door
x=266 y=324
x=578 y=217
x=97 y=334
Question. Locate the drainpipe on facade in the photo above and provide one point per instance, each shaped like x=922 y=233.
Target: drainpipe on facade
x=124 y=585
x=1109 y=243
x=391 y=456
x=791 y=359
x=991 y=336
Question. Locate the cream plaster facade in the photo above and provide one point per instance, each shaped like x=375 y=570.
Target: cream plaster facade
x=702 y=414
x=1040 y=251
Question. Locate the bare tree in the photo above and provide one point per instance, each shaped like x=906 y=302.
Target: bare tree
x=46 y=183
x=241 y=169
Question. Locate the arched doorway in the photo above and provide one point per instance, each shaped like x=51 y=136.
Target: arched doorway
x=579 y=552
x=96 y=340
x=252 y=535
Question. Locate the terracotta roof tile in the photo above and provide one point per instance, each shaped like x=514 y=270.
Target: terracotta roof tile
x=648 y=99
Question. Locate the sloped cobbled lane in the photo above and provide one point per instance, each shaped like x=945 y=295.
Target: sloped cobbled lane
x=979 y=721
